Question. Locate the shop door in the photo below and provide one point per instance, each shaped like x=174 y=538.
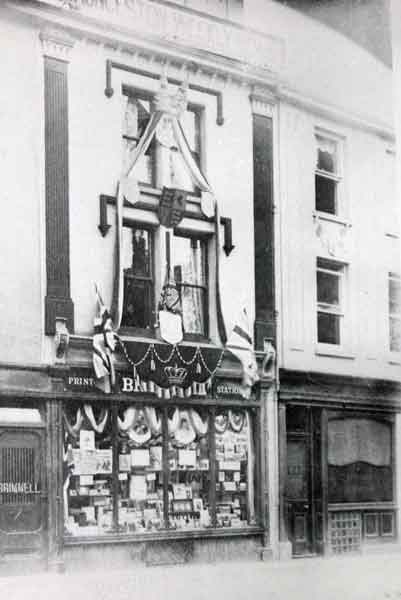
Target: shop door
x=304 y=484
x=21 y=507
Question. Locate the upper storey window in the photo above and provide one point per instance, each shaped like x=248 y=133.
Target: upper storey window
x=330 y=301
x=161 y=165
x=327 y=175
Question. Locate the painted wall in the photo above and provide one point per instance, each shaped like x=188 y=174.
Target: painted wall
x=21 y=194
x=348 y=79
x=366 y=241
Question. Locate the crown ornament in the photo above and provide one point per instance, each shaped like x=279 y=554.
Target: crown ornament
x=172 y=103
x=175 y=374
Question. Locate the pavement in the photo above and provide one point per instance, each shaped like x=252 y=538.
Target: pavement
x=376 y=577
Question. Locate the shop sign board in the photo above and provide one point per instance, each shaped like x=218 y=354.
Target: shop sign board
x=227 y=389
x=185 y=27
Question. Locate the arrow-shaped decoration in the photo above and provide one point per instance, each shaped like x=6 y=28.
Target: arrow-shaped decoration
x=228 y=235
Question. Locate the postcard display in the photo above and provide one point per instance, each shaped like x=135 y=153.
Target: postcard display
x=89 y=482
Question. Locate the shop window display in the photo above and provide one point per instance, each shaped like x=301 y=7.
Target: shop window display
x=124 y=493
x=189 y=463
x=140 y=500
x=88 y=465
x=234 y=469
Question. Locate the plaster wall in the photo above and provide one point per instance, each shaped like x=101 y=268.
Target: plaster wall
x=21 y=193
x=368 y=251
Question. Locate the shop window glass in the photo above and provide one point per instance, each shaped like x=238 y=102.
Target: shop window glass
x=140 y=476
x=88 y=461
x=188 y=257
x=394 y=309
x=360 y=460
x=138 y=278
x=234 y=469
x=189 y=463
x=130 y=499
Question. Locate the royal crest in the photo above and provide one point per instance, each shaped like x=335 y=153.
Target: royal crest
x=172 y=206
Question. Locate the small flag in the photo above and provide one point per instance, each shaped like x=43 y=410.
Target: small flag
x=104 y=343
x=240 y=344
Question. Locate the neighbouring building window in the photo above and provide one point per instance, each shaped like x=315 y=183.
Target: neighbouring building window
x=330 y=300
x=360 y=460
x=138 y=305
x=327 y=176
x=146 y=469
x=394 y=311
x=189 y=261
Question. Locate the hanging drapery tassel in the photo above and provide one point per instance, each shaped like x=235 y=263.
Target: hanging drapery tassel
x=152 y=364
x=198 y=368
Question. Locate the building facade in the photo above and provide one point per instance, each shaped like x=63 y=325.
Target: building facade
x=187 y=164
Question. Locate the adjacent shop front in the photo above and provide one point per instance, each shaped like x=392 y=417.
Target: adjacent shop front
x=337 y=441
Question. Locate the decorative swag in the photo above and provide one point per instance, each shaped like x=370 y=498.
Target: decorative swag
x=172 y=366
x=164 y=122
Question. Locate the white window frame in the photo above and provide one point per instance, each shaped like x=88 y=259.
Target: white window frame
x=337 y=176
x=339 y=270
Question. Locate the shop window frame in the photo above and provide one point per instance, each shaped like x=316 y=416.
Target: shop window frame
x=116 y=533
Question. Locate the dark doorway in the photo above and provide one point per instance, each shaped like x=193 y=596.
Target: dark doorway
x=21 y=491
x=303 y=489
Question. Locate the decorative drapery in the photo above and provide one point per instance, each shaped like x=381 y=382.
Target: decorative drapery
x=180 y=370
x=166 y=108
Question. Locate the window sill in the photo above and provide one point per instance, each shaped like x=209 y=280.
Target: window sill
x=331 y=218
x=112 y=538
x=361 y=506
x=394 y=358
x=333 y=351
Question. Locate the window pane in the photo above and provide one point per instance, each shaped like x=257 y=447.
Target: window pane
x=394 y=296
x=136 y=117
x=140 y=496
x=326 y=192
x=328 y=288
x=88 y=470
x=395 y=334
x=328 y=328
x=234 y=469
x=326 y=155
x=193 y=309
x=359 y=459
x=189 y=461
x=188 y=256
x=138 y=282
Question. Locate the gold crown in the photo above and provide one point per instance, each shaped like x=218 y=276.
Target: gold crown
x=176 y=374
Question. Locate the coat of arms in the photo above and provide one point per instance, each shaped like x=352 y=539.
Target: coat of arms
x=172 y=206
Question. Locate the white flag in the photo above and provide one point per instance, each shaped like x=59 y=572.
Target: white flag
x=240 y=344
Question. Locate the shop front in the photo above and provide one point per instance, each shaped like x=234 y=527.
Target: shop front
x=338 y=486
x=159 y=479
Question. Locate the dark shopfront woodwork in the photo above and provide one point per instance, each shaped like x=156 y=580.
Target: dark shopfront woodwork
x=304 y=489
x=58 y=302
x=21 y=491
